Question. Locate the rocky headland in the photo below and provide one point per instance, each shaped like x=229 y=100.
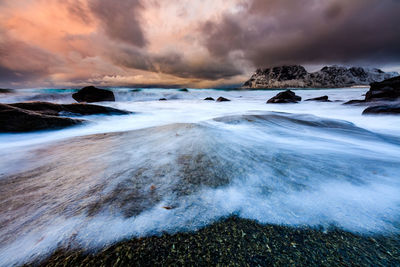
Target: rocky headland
x=296 y=76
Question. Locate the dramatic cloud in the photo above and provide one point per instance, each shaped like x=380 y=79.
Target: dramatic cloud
x=275 y=32
x=187 y=43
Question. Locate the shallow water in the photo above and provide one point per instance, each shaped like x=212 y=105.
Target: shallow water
x=315 y=164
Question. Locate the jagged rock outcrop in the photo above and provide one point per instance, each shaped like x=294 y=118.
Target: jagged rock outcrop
x=296 y=76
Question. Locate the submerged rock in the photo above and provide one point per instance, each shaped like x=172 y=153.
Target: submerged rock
x=285 y=97
x=209 y=99
x=222 y=99
x=92 y=94
x=321 y=99
x=385 y=109
x=14 y=119
x=183 y=90
x=353 y=102
x=48 y=108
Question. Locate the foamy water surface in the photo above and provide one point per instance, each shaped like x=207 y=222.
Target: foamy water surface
x=311 y=163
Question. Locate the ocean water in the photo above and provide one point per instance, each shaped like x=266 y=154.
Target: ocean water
x=181 y=164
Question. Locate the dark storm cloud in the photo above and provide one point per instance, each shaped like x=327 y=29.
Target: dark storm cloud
x=20 y=62
x=120 y=19
x=272 y=32
x=173 y=63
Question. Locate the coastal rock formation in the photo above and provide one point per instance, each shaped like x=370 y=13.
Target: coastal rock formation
x=32 y=116
x=320 y=99
x=385 y=109
x=328 y=77
x=48 y=108
x=14 y=119
x=386 y=90
x=209 y=99
x=285 y=97
x=91 y=94
x=222 y=99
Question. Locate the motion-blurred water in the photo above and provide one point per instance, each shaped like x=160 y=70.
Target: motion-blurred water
x=181 y=164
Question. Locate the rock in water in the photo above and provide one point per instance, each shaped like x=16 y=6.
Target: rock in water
x=14 y=119
x=328 y=77
x=321 y=99
x=209 y=99
x=162 y=99
x=92 y=94
x=183 y=90
x=386 y=90
x=285 y=97
x=222 y=99
x=47 y=108
x=385 y=109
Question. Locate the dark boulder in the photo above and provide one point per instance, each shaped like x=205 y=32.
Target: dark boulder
x=183 y=90
x=222 y=99
x=320 y=99
x=386 y=90
x=385 y=109
x=48 y=108
x=285 y=97
x=91 y=94
x=209 y=99
x=14 y=119
x=5 y=91
x=162 y=99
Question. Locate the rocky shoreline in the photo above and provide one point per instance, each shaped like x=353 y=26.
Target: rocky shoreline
x=297 y=76
x=241 y=242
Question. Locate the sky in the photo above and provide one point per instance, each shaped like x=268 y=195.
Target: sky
x=187 y=43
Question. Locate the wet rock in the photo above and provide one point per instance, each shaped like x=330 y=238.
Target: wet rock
x=285 y=97
x=47 y=108
x=92 y=94
x=222 y=99
x=320 y=99
x=5 y=91
x=183 y=90
x=209 y=99
x=353 y=102
x=162 y=99
x=241 y=242
x=385 y=109
x=386 y=90
x=14 y=119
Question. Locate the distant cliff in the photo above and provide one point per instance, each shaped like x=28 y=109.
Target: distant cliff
x=328 y=77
